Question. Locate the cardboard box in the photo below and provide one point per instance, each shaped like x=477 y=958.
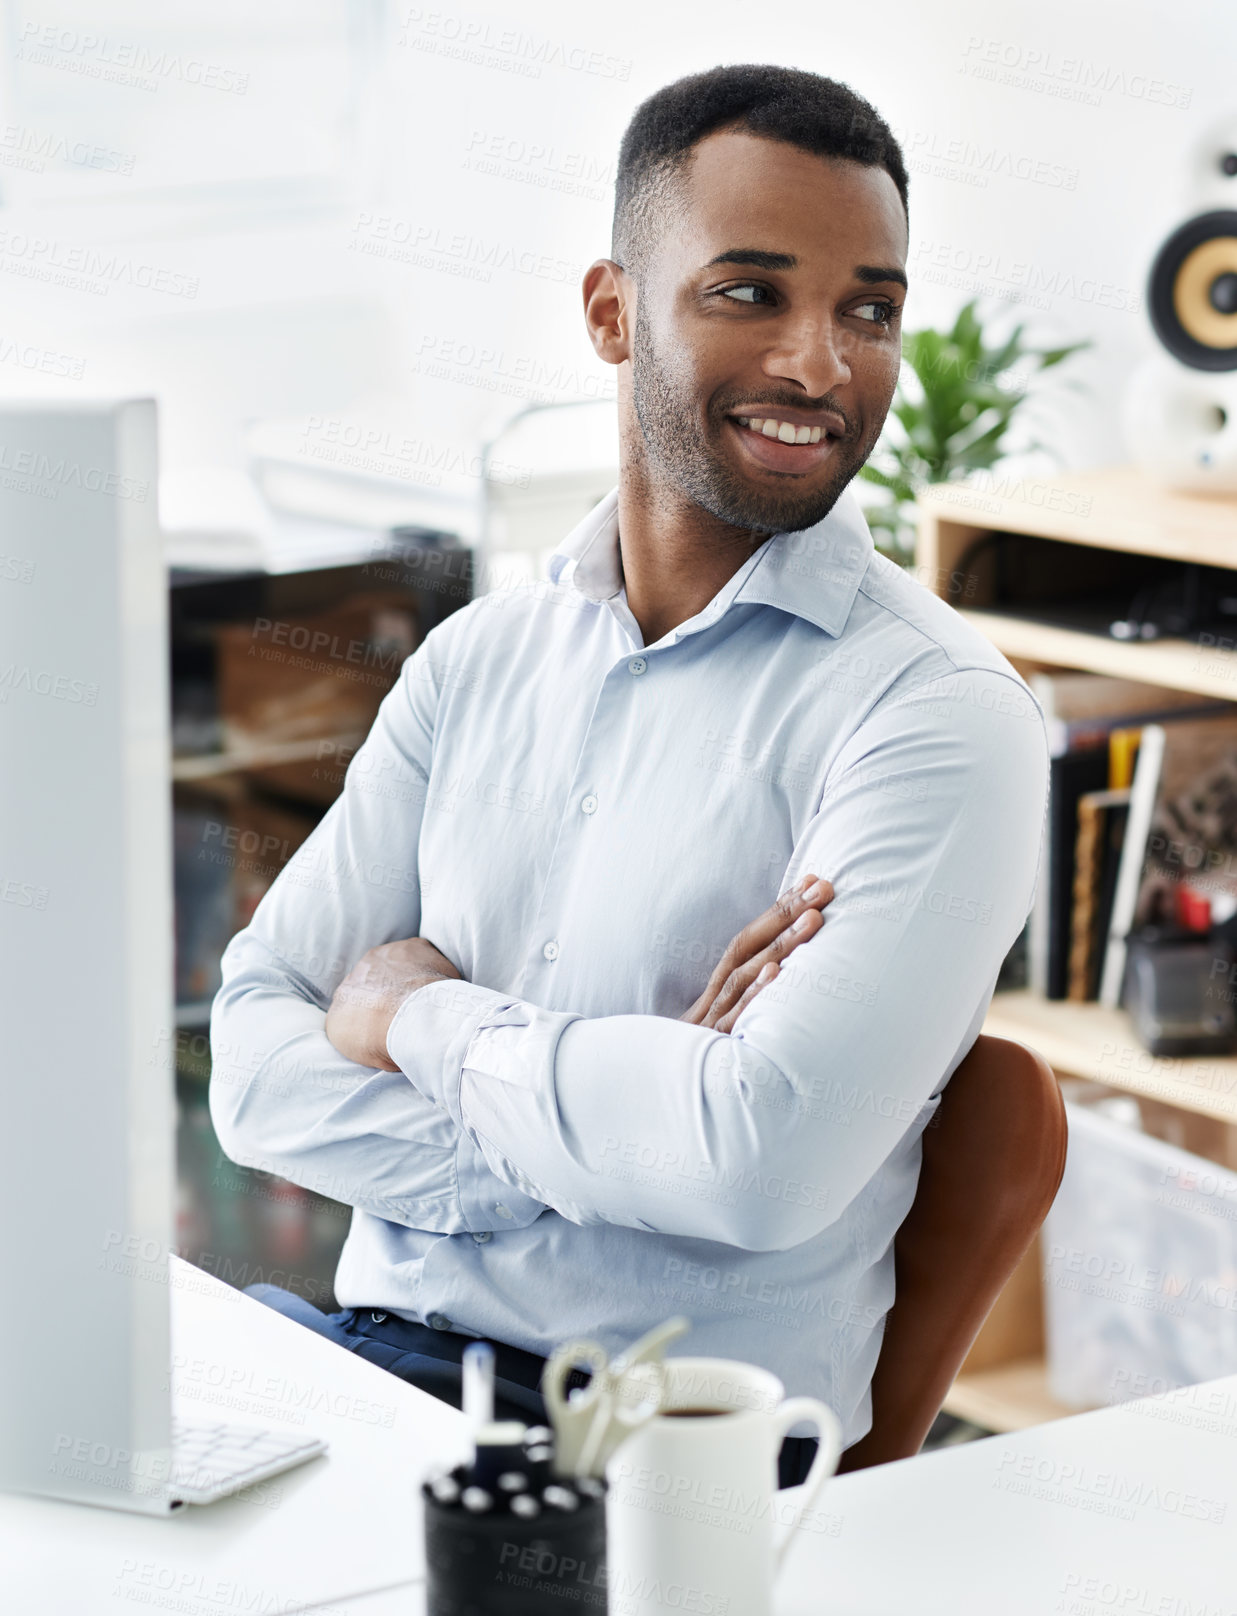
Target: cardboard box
x=295 y=682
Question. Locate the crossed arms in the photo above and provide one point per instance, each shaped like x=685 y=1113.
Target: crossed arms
x=462 y=1099
x=368 y=999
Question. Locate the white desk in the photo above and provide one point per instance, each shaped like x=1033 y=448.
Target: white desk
x=1122 y=1523
x=1130 y=1511
x=338 y=1526
x=1127 y=1512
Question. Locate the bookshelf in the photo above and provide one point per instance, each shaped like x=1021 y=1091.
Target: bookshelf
x=1109 y=508
x=212 y=765
x=1174 y=663
x=1117 y=510
x=1093 y=1042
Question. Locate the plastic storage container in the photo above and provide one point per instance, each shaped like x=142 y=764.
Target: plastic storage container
x=1140 y=1267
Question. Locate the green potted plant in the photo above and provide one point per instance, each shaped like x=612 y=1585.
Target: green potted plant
x=957 y=396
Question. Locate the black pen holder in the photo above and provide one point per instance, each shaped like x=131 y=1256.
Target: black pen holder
x=498 y=1564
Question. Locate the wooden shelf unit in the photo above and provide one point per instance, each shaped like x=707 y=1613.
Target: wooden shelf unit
x=1110 y=508
x=1007 y=1397
x=1003 y=1385
x=1093 y=1042
x=212 y=765
x=1210 y=672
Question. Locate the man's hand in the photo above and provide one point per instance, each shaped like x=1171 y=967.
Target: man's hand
x=752 y=959
x=365 y=1002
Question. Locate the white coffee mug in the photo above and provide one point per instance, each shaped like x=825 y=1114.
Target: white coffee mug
x=694 y=1519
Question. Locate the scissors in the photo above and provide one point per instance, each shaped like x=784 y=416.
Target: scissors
x=591 y=1422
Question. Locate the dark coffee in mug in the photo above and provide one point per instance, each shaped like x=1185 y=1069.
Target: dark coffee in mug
x=695 y=1413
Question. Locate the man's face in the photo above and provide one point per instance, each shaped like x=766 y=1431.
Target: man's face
x=777 y=299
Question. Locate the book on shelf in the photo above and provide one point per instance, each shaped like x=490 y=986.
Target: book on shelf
x=1102 y=817
x=1071 y=775
x=1089 y=720
x=1182 y=827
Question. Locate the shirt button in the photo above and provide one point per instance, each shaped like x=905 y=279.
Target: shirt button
x=589 y=804
x=550 y=951
x=637 y=664
x=503 y=1211
x=483 y=1235
x=438 y=1321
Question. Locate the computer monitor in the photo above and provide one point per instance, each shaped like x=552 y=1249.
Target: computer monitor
x=87 y=1106
x=86 y=943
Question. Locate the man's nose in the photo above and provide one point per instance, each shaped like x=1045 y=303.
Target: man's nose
x=810 y=351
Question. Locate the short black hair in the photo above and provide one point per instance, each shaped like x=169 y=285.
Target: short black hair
x=803 y=109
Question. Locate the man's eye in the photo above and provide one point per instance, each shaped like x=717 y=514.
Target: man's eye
x=884 y=315
x=747 y=286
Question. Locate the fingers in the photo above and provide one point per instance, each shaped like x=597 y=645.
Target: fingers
x=763 y=977
x=776 y=918
x=697 y=1012
x=770 y=937
x=736 y=984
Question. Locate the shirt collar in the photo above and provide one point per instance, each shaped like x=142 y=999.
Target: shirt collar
x=813 y=574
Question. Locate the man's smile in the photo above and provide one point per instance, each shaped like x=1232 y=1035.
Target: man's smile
x=781 y=443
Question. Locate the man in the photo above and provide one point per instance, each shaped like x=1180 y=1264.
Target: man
x=490 y=1003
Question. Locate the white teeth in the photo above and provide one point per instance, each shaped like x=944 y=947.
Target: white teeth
x=784 y=431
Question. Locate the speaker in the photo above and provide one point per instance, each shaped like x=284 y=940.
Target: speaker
x=1180 y=413
x=1192 y=294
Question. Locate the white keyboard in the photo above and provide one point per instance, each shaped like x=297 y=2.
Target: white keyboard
x=209 y=1461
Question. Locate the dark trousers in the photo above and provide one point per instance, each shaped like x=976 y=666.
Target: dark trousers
x=431 y=1359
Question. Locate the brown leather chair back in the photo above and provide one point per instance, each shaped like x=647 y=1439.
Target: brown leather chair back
x=993 y=1156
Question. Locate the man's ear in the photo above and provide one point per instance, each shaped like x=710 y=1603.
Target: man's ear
x=609 y=310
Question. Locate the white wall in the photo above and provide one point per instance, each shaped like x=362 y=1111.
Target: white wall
x=310 y=130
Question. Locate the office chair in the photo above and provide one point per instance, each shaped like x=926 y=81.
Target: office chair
x=993 y=1156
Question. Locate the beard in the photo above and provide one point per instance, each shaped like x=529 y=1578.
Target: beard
x=698 y=469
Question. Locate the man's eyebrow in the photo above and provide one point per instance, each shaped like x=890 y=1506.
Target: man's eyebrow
x=758 y=258
x=872 y=274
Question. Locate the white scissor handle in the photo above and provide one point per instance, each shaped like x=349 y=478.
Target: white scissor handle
x=572 y=1417
x=641 y=1387
x=591 y=1423
x=651 y=1347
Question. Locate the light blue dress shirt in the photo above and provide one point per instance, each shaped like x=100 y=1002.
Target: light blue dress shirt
x=581 y=823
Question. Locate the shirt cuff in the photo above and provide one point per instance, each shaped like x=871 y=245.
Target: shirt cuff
x=445 y=1028
x=431 y=1031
